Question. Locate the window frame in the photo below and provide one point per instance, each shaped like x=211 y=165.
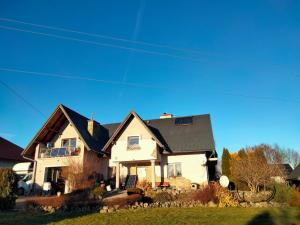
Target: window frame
x=176 y=172
x=134 y=146
x=69 y=142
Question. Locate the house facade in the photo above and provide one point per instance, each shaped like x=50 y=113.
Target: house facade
x=177 y=151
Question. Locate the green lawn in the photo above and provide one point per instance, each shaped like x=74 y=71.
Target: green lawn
x=163 y=216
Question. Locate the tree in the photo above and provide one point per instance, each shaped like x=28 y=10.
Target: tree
x=226 y=158
x=258 y=166
x=242 y=154
x=78 y=175
x=289 y=155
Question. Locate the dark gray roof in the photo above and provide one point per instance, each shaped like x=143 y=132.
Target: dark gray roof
x=196 y=136
x=295 y=175
x=287 y=168
x=81 y=123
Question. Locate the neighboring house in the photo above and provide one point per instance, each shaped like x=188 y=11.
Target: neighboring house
x=287 y=169
x=294 y=176
x=174 y=150
x=10 y=154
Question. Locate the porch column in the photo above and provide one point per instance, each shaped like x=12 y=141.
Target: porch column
x=117 y=175
x=153 y=172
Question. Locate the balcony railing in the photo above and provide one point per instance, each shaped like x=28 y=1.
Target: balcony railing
x=58 y=152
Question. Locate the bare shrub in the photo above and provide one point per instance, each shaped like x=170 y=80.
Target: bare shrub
x=205 y=195
x=258 y=166
x=78 y=175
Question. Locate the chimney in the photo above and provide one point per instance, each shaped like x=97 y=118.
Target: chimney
x=92 y=127
x=166 y=116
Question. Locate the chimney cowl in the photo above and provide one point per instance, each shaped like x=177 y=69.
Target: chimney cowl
x=166 y=116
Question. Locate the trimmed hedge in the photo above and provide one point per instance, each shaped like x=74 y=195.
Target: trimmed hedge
x=8 y=189
x=163 y=197
x=131 y=191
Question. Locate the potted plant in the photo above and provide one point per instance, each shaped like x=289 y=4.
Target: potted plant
x=77 y=150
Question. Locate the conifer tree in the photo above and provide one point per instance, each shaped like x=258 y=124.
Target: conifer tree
x=226 y=163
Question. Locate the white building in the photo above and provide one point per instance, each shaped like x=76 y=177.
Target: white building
x=170 y=150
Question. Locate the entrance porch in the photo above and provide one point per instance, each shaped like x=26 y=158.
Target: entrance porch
x=148 y=170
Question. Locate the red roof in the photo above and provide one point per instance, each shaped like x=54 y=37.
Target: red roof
x=10 y=151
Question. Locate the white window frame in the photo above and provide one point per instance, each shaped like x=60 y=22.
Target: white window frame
x=137 y=147
x=174 y=169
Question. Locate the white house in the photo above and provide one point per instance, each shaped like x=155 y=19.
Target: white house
x=169 y=150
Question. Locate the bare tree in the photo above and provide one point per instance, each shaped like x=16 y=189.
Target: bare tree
x=257 y=167
x=77 y=175
x=289 y=155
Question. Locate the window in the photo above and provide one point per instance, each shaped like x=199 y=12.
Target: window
x=133 y=142
x=184 y=120
x=70 y=142
x=174 y=170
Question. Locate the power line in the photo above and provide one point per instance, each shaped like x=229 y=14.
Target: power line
x=62 y=76
x=108 y=37
x=102 y=44
x=22 y=98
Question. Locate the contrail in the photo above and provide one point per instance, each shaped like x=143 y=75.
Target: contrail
x=135 y=35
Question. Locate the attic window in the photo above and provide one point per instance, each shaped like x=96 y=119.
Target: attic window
x=133 y=142
x=184 y=121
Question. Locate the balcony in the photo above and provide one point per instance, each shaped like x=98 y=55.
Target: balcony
x=58 y=152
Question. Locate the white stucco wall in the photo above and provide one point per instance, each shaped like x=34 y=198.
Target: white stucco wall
x=148 y=147
x=192 y=166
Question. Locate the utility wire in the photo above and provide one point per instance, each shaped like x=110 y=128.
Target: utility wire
x=114 y=38
x=62 y=76
x=22 y=98
x=102 y=44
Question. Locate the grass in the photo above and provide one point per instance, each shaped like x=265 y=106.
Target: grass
x=161 y=216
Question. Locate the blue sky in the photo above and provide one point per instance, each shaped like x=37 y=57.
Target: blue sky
x=240 y=63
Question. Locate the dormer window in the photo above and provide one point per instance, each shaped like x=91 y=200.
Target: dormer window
x=133 y=142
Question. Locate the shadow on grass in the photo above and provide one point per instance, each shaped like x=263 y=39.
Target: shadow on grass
x=12 y=218
x=264 y=218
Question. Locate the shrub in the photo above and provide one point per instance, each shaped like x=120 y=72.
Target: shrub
x=98 y=192
x=295 y=200
x=144 y=184
x=66 y=202
x=123 y=201
x=284 y=193
x=54 y=201
x=131 y=191
x=184 y=197
x=8 y=188
x=163 y=197
x=150 y=193
x=224 y=197
x=205 y=195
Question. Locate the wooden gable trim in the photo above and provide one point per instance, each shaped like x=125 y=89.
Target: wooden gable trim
x=44 y=128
